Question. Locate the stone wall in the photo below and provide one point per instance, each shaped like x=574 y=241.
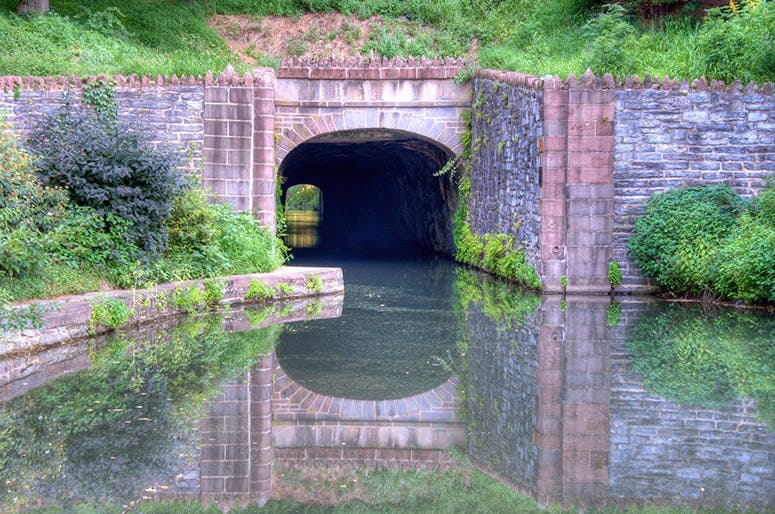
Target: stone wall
x=670 y=135
x=505 y=163
x=169 y=114
x=564 y=166
x=594 y=150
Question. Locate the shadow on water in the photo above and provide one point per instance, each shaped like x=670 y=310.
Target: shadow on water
x=572 y=401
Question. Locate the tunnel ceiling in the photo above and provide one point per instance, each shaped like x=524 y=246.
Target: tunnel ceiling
x=379 y=190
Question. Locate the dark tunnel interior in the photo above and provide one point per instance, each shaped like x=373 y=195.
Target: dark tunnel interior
x=380 y=195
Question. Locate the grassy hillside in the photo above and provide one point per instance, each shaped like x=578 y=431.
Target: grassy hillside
x=558 y=37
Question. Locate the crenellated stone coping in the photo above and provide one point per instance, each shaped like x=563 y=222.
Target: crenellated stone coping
x=359 y=68
x=313 y=68
x=228 y=77
x=381 y=69
x=68 y=319
x=591 y=81
x=512 y=78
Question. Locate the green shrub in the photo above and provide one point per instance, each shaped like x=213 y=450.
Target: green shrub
x=208 y=240
x=86 y=240
x=213 y=292
x=314 y=283
x=611 y=40
x=738 y=45
x=744 y=265
x=111 y=168
x=284 y=288
x=189 y=300
x=258 y=291
x=28 y=210
x=675 y=239
x=110 y=313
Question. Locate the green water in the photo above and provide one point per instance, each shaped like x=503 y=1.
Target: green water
x=572 y=401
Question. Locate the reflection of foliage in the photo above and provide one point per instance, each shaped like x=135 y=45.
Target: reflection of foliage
x=707 y=359
x=614 y=313
x=501 y=302
x=97 y=435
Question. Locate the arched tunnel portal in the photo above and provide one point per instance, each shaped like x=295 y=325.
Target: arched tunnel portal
x=381 y=191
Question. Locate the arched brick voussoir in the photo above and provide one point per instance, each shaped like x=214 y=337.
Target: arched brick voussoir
x=299 y=130
x=292 y=401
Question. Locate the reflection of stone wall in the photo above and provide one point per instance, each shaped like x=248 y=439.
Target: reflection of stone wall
x=659 y=449
x=21 y=374
x=538 y=398
x=501 y=394
x=586 y=403
x=310 y=428
x=236 y=461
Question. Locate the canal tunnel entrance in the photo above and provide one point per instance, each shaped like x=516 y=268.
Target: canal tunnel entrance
x=380 y=190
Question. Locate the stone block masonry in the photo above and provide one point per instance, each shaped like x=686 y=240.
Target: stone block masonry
x=605 y=148
x=667 y=137
x=169 y=112
x=505 y=165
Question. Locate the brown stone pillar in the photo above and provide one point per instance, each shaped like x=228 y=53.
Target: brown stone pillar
x=577 y=189
x=263 y=173
x=554 y=162
x=590 y=186
x=228 y=139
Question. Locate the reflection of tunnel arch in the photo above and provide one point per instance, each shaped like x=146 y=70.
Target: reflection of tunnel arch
x=380 y=188
x=294 y=402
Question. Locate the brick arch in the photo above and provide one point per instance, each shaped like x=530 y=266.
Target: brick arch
x=293 y=402
x=444 y=132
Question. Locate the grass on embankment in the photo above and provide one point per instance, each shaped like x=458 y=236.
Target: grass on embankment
x=561 y=37
x=465 y=490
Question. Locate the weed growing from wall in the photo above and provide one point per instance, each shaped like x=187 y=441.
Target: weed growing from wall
x=614 y=274
x=189 y=300
x=101 y=95
x=110 y=313
x=257 y=290
x=314 y=283
x=495 y=253
x=284 y=288
x=213 y=292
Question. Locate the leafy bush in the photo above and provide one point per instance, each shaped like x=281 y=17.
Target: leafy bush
x=745 y=264
x=110 y=168
x=49 y=247
x=737 y=44
x=207 y=240
x=28 y=210
x=612 y=39
x=675 y=239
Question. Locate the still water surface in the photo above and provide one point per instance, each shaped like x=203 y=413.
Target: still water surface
x=575 y=401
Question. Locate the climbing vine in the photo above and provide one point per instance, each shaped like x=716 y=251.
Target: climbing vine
x=492 y=252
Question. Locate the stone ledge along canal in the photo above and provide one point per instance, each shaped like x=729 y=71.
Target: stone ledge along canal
x=573 y=400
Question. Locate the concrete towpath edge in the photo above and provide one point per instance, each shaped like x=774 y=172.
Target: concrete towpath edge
x=68 y=318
